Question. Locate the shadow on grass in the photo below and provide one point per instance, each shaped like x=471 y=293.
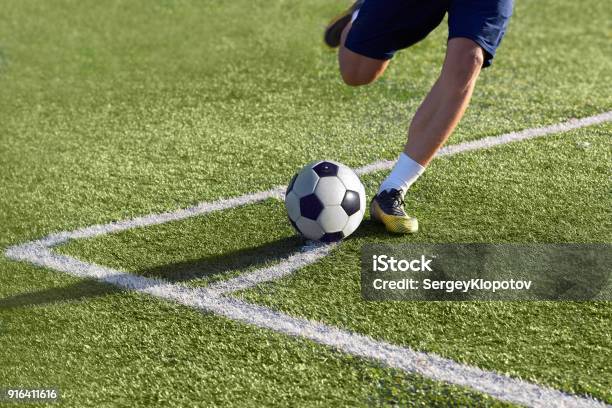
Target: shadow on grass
x=206 y=267
x=79 y=291
x=372 y=229
x=211 y=266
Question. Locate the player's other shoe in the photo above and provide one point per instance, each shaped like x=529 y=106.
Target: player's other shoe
x=387 y=207
x=333 y=31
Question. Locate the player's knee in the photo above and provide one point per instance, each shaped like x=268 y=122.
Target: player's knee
x=358 y=70
x=463 y=68
x=357 y=78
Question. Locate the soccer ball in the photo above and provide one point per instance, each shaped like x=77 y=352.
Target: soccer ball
x=325 y=201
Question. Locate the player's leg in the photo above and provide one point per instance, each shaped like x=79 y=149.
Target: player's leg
x=471 y=46
x=445 y=104
x=356 y=69
x=432 y=124
x=371 y=31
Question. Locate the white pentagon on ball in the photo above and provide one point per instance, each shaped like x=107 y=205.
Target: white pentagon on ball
x=325 y=201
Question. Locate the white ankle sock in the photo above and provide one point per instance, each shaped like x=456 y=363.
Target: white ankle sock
x=405 y=172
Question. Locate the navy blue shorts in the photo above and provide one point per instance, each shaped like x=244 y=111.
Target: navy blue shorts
x=386 y=26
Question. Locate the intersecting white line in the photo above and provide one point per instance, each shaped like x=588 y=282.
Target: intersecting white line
x=212 y=299
x=308 y=254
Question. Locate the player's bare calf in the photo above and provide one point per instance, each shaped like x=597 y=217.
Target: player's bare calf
x=369 y=34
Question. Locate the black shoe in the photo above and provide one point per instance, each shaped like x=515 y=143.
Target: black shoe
x=334 y=29
x=387 y=207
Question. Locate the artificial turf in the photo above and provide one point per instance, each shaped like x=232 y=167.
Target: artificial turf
x=199 y=250
x=484 y=196
x=114 y=109
x=128 y=350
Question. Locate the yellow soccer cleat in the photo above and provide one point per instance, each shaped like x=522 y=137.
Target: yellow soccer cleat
x=388 y=208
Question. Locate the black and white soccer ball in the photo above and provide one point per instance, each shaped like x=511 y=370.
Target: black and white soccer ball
x=325 y=201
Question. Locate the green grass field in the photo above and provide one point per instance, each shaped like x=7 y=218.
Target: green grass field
x=112 y=110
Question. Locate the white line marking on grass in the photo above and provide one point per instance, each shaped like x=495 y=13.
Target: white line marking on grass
x=307 y=255
x=161 y=218
x=492 y=141
x=425 y=364
x=40 y=252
